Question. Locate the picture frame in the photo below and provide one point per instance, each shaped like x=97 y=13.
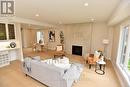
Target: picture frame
x=61 y=37
x=51 y=35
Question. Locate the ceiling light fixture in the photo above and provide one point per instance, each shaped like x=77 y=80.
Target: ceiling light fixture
x=86 y=4
x=37 y=15
x=92 y=19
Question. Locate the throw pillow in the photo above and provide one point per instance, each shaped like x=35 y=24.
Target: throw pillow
x=96 y=54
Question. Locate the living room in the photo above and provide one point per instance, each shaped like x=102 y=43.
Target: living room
x=89 y=25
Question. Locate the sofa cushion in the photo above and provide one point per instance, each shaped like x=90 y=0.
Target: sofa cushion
x=73 y=72
x=60 y=63
x=65 y=60
x=50 y=65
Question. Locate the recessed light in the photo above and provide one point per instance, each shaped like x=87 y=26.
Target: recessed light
x=86 y=4
x=37 y=15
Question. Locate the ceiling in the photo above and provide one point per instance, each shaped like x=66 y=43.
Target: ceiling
x=65 y=11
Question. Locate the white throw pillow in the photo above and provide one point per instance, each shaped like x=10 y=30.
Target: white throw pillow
x=65 y=60
x=97 y=54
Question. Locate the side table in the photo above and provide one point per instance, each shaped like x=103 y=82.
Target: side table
x=100 y=67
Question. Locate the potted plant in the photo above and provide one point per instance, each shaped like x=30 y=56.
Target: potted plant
x=129 y=64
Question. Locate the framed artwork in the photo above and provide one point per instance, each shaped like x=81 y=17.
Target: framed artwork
x=61 y=37
x=51 y=36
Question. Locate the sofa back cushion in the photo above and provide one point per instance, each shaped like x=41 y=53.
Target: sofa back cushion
x=49 y=67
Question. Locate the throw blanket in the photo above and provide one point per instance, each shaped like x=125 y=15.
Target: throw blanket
x=27 y=64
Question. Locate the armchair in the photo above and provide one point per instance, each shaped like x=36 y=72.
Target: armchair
x=92 y=58
x=36 y=47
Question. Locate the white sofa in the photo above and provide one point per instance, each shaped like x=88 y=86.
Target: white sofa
x=48 y=74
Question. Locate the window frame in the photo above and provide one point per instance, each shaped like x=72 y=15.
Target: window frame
x=123 y=69
x=7 y=31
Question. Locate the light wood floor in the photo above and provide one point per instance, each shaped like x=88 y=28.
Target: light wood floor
x=12 y=75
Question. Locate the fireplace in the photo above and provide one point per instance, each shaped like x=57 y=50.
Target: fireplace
x=77 y=50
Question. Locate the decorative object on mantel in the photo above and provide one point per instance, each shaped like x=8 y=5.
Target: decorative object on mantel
x=12 y=44
x=61 y=37
x=51 y=36
x=105 y=43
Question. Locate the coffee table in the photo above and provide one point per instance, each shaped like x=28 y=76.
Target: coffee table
x=60 y=54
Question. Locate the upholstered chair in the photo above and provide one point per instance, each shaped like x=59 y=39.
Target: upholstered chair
x=92 y=58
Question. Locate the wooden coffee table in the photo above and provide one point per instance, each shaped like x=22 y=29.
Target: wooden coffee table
x=59 y=55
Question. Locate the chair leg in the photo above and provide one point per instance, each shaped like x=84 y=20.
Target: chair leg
x=86 y=61
x=100 y=67
x=26 y=75
x=89 y=66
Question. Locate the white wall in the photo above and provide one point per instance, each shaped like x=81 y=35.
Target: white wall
x=76 y=34
x=100 y=32
x=115 y=47
x=28 y=37
x=19 y=41
x=80 y=34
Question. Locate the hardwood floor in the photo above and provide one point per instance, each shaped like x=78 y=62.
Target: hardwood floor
x=12 y=75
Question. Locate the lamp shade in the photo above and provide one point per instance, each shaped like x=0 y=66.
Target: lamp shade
x=105 y=41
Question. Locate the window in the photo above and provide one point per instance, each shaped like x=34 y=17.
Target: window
x=40 y=37
x=3 y=31
x=11 y=31
x=7 y=31
x=124 y=51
